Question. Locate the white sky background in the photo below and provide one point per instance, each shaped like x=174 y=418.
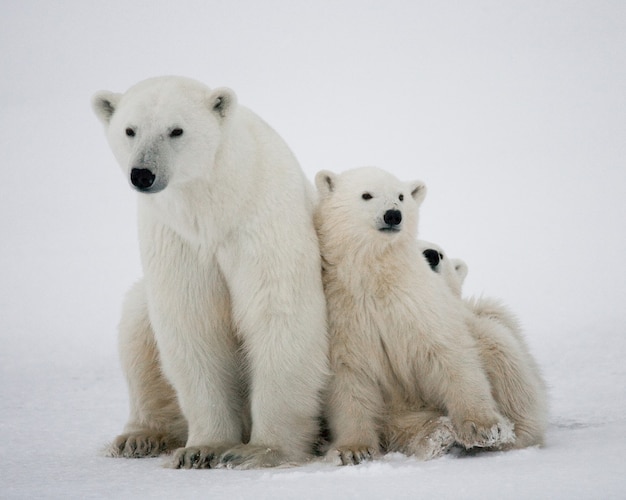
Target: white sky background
x=513 y=113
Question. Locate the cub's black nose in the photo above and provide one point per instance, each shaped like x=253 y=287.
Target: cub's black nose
x=432 y=256
x=392 y=217
x=142 y=178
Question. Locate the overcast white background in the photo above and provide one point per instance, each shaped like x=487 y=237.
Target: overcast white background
x=513 y=113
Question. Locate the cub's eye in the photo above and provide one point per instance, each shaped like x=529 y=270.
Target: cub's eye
x=366 y=196
x=177 y=132
x=130 y=132
x=401 y=197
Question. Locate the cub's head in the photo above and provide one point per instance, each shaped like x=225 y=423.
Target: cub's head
x=452 y=271
x=368 y=206
x=164 y=131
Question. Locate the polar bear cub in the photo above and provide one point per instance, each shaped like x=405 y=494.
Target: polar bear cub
x=224 y=342
x=406 y=370
x=515 y=378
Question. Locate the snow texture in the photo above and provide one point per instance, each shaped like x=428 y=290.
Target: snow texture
x=513 y=113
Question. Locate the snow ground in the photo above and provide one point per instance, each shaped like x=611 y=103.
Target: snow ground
x=58 y=412
x=513 y=113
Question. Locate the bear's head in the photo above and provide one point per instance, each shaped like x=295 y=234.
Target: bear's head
x=165 y=131
x=368 y=206
x=452 y=271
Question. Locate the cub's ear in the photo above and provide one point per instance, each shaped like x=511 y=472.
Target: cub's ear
x=461 y=269
x=418 y=191
x=325 y=182
x=104 y=103
x=221 y=100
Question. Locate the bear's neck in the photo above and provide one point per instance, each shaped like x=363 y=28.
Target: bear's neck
x=368 y=267
x=188 y=210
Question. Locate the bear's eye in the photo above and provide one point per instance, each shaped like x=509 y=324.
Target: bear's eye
x=401 y=197
x=366 y=196
x=130 y=132
x=440 y=256
x=177 y=132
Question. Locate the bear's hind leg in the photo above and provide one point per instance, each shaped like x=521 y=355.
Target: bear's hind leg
x=457 y=381
x=516 y=382
x=156 y=424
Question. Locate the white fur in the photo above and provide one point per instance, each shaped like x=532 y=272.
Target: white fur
x=401 y=356
x=516 y=381
x=231 y=304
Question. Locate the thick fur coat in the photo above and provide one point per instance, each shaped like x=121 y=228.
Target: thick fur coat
x=224 y=341
x=406 y=371
x=515 y=378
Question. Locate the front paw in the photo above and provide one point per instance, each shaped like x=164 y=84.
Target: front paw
x=492 y=434
x=142 y=444
x=434 y=441
x=246 y=456
x=352 y=455
x=197 y=457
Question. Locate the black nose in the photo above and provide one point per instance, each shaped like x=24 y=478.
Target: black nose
x=393 y=217
x=432 y=256
x=142 y=178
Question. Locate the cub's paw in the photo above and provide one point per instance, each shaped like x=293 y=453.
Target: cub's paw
x=197 y=457
x=434 y=441
x=351 y=455
x=142 y=444
x=490 y=435
x=246 y=456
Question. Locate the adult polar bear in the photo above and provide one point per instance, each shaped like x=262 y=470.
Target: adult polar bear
x=232 y=291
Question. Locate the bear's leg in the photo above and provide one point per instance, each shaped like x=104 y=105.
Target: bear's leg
x=516 y=384
x=280 y=313
x=190 y=313
x=354 y=404
x=452 y=375
x=425 y=434
x=156 y=424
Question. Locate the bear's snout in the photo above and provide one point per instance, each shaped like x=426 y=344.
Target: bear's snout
x=433 y=258
x=392 y=217
x=142 y=178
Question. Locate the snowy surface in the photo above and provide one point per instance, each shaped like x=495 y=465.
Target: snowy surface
x=514 y=113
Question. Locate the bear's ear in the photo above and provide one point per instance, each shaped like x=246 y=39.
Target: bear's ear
x=418 y=191
x=461 y=269
x=325 y=182
x=222 y=100
x=104 y=104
